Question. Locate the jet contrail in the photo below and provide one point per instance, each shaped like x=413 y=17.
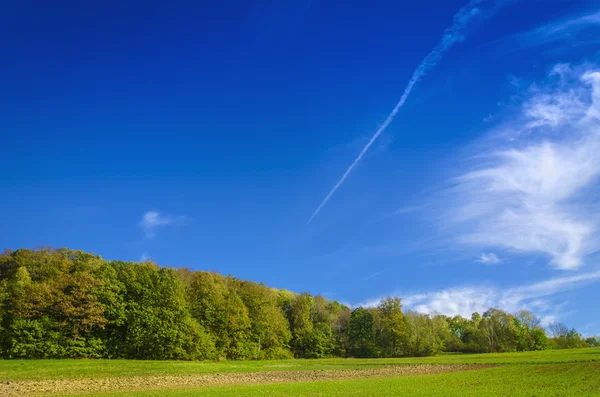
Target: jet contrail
x=452 y=35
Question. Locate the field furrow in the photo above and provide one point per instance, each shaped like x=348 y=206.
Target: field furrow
x=131 y=383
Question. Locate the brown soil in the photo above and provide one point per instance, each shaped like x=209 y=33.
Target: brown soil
x=92 y=385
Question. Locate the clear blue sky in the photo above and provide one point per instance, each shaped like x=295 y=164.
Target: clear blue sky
x=205 y=136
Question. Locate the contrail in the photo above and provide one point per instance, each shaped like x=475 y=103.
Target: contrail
x=452 y=35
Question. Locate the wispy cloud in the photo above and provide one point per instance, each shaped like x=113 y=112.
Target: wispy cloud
x=530 y=186
x=557 y=30
x=410 y=209
x=488 y=259
x=370 y=276
x=454 y=34
x=466 y=300
x=573 y=30
x=152 y=220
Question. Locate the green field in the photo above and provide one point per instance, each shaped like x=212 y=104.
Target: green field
x=546 y=373
x=577 y=379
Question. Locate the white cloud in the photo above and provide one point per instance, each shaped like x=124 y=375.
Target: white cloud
x=569 y=30
x=488 y=259
x=466 y=300
x=531 y=185
x=462 y=301
x=555 y=29
x=154 y=219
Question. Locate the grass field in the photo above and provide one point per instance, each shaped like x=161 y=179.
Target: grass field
x=547 y=373
x=577 y=379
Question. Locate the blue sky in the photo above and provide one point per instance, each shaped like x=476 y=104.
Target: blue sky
x=209 y=136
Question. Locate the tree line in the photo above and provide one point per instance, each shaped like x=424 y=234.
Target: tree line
x=71 y=304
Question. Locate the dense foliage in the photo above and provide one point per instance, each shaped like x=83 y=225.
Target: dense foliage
x=69 y=304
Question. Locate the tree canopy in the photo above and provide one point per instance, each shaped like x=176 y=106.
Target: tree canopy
x=71 y=304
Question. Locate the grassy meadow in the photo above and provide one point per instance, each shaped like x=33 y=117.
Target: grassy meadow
x=574 y=379
x=573 y=372
x=11 y=370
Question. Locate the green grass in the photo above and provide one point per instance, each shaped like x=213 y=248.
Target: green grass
x=548 y=373
x=54 y=369
x=572 y=379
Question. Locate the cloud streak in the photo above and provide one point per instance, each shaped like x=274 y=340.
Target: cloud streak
x=533 y=184
x=559 y=30
x=452 y=35
x=152 y=220
x=371 y=276
x=466 y=300
x=576 y=31
x=488 y=259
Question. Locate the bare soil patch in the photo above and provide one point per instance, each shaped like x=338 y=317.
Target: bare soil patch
x=92 y=385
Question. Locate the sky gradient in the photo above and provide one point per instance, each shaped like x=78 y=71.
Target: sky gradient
x=215 y=137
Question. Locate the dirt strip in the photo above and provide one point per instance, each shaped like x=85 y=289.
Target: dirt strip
x=94 y=385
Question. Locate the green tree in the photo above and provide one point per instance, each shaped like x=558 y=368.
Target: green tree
x=498 y=331
x=538 y=340
x=423 y=338
x=207 y=294
x=467 y=332
x=341 y=344
x=111 y=294
x=30 y=331
x=392 y=329
x=530 y=334
x=68 y=303
x=158 y=323
x=269 y=331
x=593 y=341
x=78 y=312
x=565 y=338
x=301 y=326
x=361 y=335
